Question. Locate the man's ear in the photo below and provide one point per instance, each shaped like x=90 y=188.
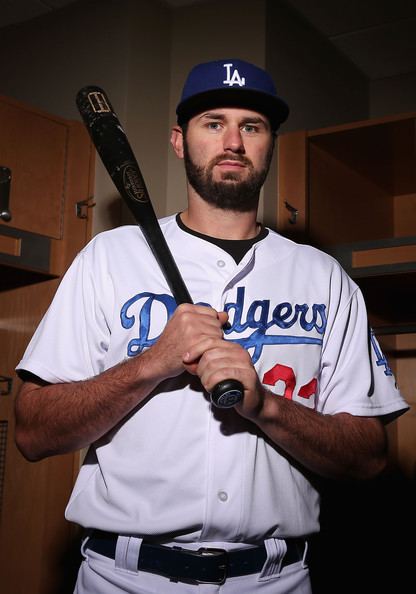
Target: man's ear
x=176 y=140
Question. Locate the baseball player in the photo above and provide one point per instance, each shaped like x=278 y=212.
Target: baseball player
x=176 y=495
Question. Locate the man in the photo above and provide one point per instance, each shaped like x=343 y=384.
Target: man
x=177 y=495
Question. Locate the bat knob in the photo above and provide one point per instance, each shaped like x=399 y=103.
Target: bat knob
x=227 y=393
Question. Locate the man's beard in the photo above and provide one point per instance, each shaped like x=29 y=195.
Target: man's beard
x=230 y=193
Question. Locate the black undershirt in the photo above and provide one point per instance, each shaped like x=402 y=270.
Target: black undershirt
x=236 y=248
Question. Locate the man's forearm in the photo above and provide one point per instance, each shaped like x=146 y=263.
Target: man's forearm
x=339 y=446
x=60 y=418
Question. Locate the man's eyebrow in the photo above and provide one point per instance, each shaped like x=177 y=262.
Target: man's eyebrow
x=214 y=115
x=254 y=120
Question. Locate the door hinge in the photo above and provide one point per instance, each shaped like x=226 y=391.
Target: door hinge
x=5 y=181
x=81 y=207
x=9 y=384
x=293 y=213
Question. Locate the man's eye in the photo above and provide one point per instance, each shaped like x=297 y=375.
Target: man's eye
x=213 y=126
x=249 y=128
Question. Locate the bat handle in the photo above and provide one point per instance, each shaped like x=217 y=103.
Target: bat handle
x=227 y=393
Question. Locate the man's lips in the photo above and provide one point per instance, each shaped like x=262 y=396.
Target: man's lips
x=231 y=164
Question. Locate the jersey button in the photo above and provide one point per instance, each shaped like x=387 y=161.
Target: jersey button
x=220 y=263
x=222 y=496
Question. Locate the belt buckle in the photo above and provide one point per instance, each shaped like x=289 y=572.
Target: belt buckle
x=212 y=552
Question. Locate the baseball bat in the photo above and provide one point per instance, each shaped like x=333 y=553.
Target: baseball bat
x=115 y=151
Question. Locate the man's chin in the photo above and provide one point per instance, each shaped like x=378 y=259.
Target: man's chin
x=230 y=177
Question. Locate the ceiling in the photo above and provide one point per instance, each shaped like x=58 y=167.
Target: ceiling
x=378 y=36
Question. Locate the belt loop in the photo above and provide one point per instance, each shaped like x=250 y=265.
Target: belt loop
x=276 y=549
x=127 y=553
x=84 y=543
x=305 y=555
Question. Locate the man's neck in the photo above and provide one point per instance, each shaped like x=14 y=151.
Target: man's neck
x=216 y=222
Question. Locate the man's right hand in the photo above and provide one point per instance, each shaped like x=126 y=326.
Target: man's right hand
x=189 y=325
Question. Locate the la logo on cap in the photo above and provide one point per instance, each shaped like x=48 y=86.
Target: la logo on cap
x=234 y=78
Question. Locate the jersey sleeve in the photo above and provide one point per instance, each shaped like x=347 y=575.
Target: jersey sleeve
x=71 y=341
x=355 y=375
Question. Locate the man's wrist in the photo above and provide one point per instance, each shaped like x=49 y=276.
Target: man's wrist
x=263 y=412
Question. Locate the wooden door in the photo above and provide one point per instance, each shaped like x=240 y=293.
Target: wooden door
x=36 y=543
x=33 y=147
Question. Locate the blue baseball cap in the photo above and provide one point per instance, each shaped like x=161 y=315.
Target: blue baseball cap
x=231 y=83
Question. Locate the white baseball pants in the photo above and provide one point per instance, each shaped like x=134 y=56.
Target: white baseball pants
x=100 y=575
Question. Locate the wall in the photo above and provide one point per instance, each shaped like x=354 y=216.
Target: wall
x=393 y=95
x=110 y=43
x=321 y=87
x=147 y=108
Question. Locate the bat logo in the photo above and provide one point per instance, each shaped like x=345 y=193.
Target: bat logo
x=134 y=184
x=99 y=102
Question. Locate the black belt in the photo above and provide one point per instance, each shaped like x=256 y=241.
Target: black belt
x=204 y=566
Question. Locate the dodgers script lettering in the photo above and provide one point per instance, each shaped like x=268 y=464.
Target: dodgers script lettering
x=259 y=323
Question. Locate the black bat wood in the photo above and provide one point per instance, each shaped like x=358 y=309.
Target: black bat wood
x=115 y=152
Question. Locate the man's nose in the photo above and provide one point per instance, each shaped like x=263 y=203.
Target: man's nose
x=233 y=140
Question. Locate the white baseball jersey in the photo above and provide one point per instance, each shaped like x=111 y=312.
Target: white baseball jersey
x=178 y=468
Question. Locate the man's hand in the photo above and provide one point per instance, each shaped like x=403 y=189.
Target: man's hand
x=191 y=331
x=216 y=360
